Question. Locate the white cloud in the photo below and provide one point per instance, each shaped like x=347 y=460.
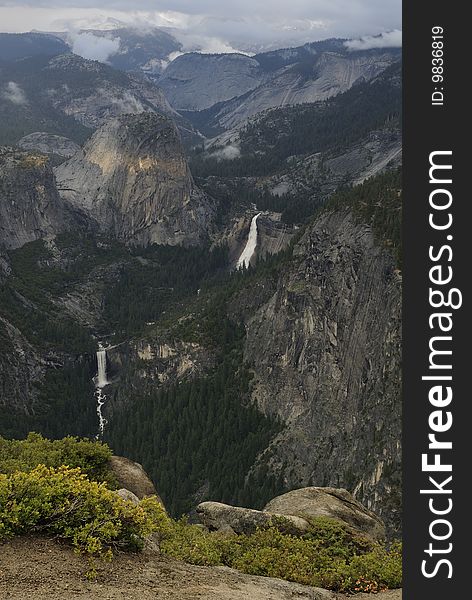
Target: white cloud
x=202 y=43
x=388 y=39
x=213 y=25
x=229 y=152
x=127 y=103
x=13 y=92
x=94 y=47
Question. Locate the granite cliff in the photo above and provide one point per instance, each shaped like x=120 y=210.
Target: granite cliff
x=223 y=91
x=330 y=364
x=30 y=206
x=133 y=181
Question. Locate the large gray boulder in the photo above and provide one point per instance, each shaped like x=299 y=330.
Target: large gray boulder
x=128 y=496
x=330 y=502
x=132 y=477
x=223 y=517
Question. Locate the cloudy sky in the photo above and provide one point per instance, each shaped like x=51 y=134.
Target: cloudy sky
x=215 y=25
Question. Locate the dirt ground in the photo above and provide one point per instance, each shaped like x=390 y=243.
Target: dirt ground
x=42 y=569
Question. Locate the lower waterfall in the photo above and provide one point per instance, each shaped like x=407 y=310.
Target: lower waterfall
x=100 y=382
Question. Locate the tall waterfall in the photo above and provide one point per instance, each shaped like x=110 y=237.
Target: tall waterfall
x=251 y=244
x=100 y=382
x=102 y=368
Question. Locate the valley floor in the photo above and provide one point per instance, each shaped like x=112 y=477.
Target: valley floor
x=42 y=569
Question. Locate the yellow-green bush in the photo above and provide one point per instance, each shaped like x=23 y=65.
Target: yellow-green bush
x=65 y=503
x=24 y=455
x=329 y=556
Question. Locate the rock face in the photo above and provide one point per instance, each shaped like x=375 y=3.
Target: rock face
x=198 y=81
x=21 y=367
x=330 y=368
x=273 y=235
x=47 y=143
x=92 y=92
x=132 y=477
x=330 y=74
x=30 y=206
x=236 y=87
x=379 y=150
x=337 y=504
x=222 y=517
x=133 y=181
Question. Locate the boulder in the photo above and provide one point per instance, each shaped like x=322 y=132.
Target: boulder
x=125 y=494
x=132 y=477
x=335 y=503
x=222 y=517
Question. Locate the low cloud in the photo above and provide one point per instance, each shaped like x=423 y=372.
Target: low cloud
x=229 y=152
x=127 y=103
x=212 y=25
x=94 y=47
x=13 y=92
x=388 y=39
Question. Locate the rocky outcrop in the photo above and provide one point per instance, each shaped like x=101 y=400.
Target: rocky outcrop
x=234 y=519
x=92 y=92
x=133 y=181
x=47 y=143
x=165 y=362
x=334 y=503
x=30 y=206
x=128 y=496
x=330 y=368
x=21 y=369
x=132 y=477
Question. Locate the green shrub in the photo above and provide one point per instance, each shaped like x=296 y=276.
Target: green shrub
x=25 y=455
x=190 y=544
x=63 y=502
x=329 y=556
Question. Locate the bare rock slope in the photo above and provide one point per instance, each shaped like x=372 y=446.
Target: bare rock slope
x=30 y=207
x=133 y=181
x=231 y=88
x=48 y=143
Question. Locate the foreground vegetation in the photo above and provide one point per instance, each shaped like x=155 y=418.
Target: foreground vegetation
x=328 y=556
x=25 y=455
x=74 y=503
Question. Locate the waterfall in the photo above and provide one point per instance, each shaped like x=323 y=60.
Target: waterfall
x=248 y=252
x=102 y=367
x=101 y=419
x=100 y=382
